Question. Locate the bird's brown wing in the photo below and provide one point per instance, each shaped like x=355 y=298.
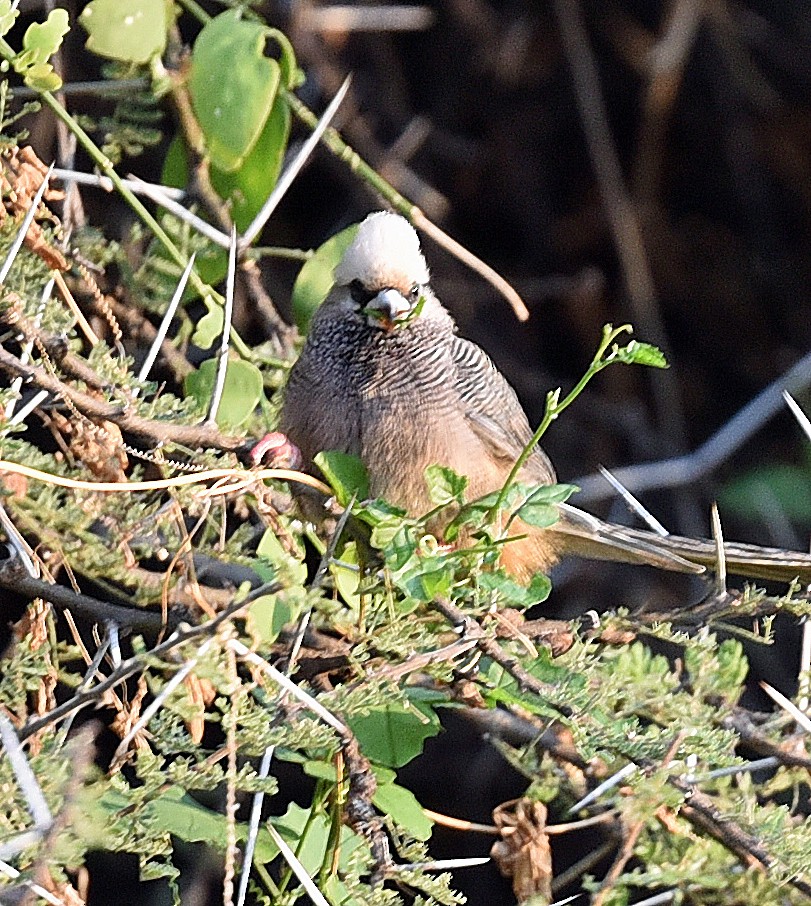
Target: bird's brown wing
x=493 y=412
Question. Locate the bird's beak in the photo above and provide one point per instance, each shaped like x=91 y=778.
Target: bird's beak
x=389 y=308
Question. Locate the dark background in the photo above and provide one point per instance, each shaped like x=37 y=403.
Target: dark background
x=701 y=129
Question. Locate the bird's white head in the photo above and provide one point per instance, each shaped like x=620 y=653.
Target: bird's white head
x=385 y=253
x=384 y=270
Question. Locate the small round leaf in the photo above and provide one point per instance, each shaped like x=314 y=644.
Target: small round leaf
x=243 y=388
x=133 y=31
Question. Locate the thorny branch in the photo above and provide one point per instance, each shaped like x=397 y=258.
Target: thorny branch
x=202 y=437
x=134 y=664
x=14 y=578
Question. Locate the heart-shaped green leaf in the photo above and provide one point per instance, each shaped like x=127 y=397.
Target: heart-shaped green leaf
x=392 y=735
x=232 y=86
x=402 y=806
x=248 y=187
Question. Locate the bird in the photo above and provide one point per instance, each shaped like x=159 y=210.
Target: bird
x=384 y=375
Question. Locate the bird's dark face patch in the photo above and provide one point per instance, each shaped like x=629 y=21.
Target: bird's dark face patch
x=388 y=308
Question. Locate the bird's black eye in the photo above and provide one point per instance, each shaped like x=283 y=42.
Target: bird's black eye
x=359 y=293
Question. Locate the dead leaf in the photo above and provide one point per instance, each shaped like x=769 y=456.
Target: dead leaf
x=523 y=852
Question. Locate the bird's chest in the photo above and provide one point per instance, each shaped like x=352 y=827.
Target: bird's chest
x=395 y=411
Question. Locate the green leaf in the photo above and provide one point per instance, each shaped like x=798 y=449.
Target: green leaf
x=269 y=614
x=133 y=31
x=732 y=664
x=401 y=547
x=315 y=279
x=290 y=567
x=232 y=85
x=386 y=522
x=346 y=578
x=40 y=42
x=321 y=770
x=43 y=39
x=309 y=835
x=541 y=506
x=402 y=806
x=209 y=327
x=8 y=17
x=241 y=393
x=392 y=735
x=175 y=170
x=428 y=580
x=41 y=77
x=176 y=813
x=445 y=486
x=636 y=353
x=752 y=495
x=510 y=594
x=248 y=187
x=501 y=686
x=345 y=474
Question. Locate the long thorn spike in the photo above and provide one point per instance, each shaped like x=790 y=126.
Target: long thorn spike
x=227 y=317
x=292 y=171
x=149 y=361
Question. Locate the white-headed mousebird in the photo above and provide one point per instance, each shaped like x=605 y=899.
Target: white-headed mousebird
x=383 y=375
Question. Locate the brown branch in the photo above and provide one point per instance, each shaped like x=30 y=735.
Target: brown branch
x=158 y=432
x=739 y=722
x=702 y=813
x=14 y=578
x=631 y=836
x=361 y=815
x=135 y=664
x=282 y=335
x=493 y=650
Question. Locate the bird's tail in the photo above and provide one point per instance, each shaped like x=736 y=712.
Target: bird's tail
x=584 y=535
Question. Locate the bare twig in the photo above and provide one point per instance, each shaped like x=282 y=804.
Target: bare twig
x=493 y=650
x=12 y=873
x=160 y=197
x=633 y=504
x=15 y=578
x=682 y=470
x=158 y=432
x=120 y=754
x=344 y=18
x=136 y=663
